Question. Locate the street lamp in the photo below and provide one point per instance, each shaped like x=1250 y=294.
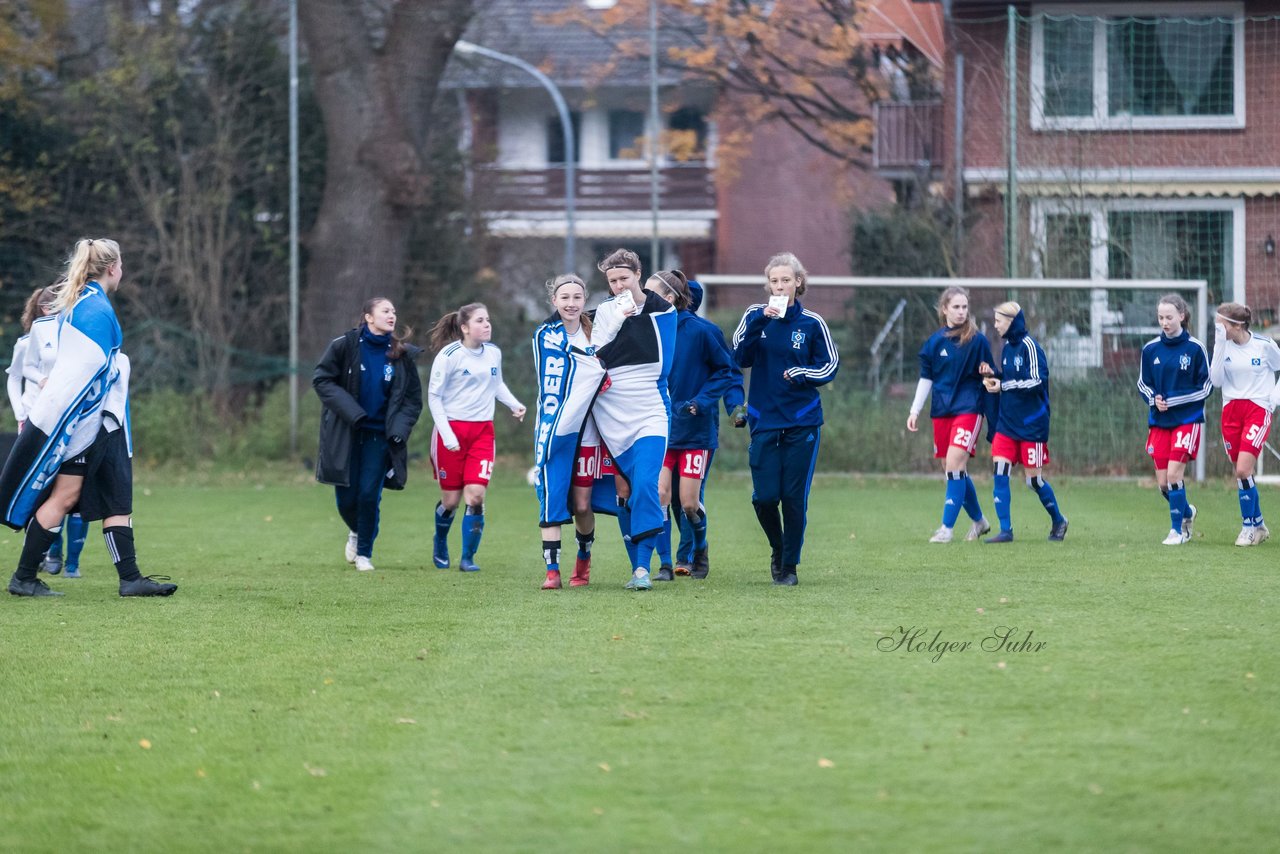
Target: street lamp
x=566 y=123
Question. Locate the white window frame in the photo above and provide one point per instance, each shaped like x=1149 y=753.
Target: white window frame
x=1100 y=13
x=1099 y=234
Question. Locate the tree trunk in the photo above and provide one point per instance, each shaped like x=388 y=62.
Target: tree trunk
x=375 y=81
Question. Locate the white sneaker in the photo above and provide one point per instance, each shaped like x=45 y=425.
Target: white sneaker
x=351 y=547
x=977 y=529
x=1175 y=538
x=942 y=535
x=1252 y=536
x=1188 y=521
x=363 y=564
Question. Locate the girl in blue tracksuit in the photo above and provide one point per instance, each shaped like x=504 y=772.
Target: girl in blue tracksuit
x=950 y=363
x=1174 y=381
x=791 y=353
x=689 y=559
x=702 y=372
x=1022 y=425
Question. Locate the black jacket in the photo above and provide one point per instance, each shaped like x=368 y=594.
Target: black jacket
x=337 y=381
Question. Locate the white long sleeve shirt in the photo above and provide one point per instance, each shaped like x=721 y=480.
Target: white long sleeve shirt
x=464 y=385
x=1246 y=371
x=14 y=383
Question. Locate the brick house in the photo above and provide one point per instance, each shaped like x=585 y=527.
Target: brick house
x=1145 y=142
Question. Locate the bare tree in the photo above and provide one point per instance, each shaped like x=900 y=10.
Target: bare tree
x=376 y=67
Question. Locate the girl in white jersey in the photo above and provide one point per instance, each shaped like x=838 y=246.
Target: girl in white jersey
x=466 y=378
x=1244 y=366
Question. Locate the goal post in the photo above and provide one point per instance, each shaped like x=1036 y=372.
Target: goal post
x=1092 y=331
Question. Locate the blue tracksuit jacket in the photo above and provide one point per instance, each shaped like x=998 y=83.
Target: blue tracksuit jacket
x=789 y=356
x=702 y=373
x=1178 y=370
x=1024 y=386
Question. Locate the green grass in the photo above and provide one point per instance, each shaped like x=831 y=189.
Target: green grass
x=292 y=704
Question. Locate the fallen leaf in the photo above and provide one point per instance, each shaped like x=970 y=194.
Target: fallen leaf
x=604 y=766
x=826 y=763
x=982 y=610
x=144 y=744
x=616 y=637
x=597 y=810
x=435 y=804
x=266 y=518
x=1248 y=676
x=114 y=718
x=853 y=536
x=200 y=773
x=328 y=681
x=405 y=721
x=1095 y=788
x=256 y=785
x=217 y=693
x=1001 y=665
x=1004 y=600
x=315 y=772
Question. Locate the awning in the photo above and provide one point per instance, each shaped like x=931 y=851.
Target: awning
x=894 y=21
x=1134 y=189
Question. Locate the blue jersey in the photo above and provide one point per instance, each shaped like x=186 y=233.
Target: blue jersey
x=1176 y=369
x=736 y=395
x=1024 y=386
x=789 y=356
x=953 y=368
x=702 y=373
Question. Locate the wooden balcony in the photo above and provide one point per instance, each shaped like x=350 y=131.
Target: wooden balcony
x=680 y=187
x=909 y=139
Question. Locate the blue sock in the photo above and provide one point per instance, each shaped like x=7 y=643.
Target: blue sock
x=664 y=541
x=642 y=553
x=1249 y=510
x=77 y=530
x=624 y=525
x=684 y=551
x=472 y=531
x=1047 y=498
x=444 y=521
x=971 y=505
x=1178 y=508
x=954 y=499
x=1001 y=496
x=699 y=526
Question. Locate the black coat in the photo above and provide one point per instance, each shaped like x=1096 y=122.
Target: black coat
x=337 y=382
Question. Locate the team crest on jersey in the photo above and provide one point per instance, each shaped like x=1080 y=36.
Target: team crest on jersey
x=1256 y=362
x=387 y=371
x=493 y=372
x=1184 y=362
x=797 y=338
x=1017 y=363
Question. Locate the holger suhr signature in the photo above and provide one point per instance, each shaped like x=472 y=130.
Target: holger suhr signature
x=919 y=639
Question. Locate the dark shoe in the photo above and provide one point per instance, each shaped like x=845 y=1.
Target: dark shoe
x=787 y=578
x=1002 y=537
x=700 y=564
x=147 y=585
x=775 y=566
x=440 y=551
x=665 y=573
x=52 y=564
x=682 y=569
x=1059 y=532
x=34 y=587
x=467 y=565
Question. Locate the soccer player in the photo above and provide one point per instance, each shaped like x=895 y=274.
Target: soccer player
x=702 y=373
x=735 y=407
x=84 y=404
x=949 y=372
x=368 y=382
x=466 y=379
x=635 y=336
x=1174 y=381
x=1244 y=366
x=790 y=352
x=1022 y=426
x=568 y=453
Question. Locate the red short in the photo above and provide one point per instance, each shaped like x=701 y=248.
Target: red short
x=1245 y=426
x=691 y=464
x=958 y=430
x=1178 y=444
x=472 y=463
x=1032 y=455
x=587 y=466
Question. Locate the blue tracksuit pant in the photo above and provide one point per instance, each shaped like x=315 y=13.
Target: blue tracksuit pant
x=782 y=463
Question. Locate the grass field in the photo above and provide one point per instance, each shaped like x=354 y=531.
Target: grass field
x=281 y=701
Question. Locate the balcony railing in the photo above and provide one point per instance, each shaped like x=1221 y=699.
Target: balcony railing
x=908 y=137
x=680 y=187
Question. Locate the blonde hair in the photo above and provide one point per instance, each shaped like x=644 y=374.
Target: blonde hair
x=961 y=334
x=787 y=259
x=1009 y=309
x=91 y=258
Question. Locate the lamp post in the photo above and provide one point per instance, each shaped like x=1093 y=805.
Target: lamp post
x=566 y=123
x=293 y=227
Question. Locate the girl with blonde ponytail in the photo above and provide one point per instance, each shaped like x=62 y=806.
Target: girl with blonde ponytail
x=75 y=450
